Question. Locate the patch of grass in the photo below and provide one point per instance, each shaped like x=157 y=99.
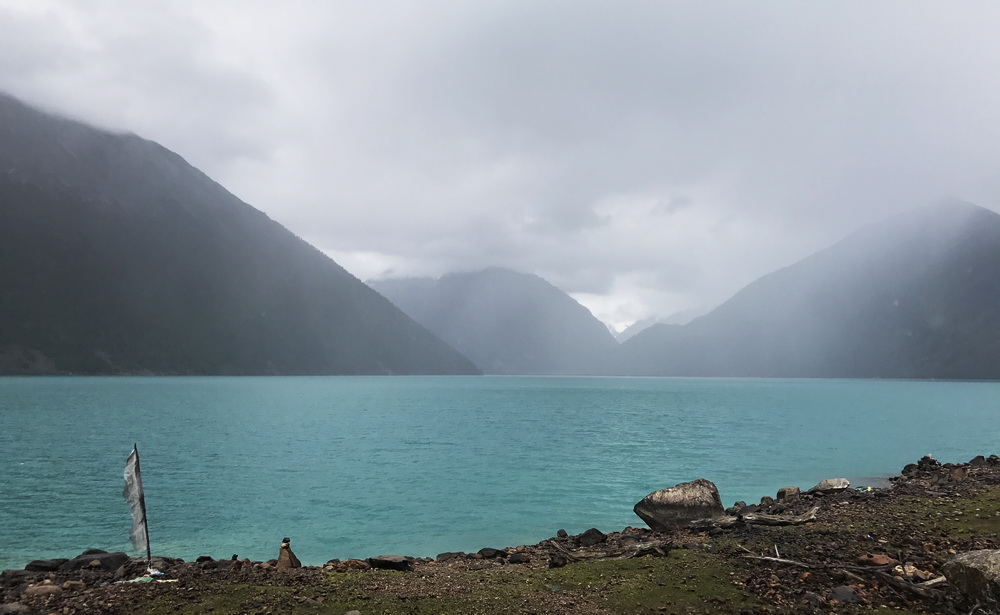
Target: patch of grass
x=684 y=580
x=504 y=590
x=976 y=515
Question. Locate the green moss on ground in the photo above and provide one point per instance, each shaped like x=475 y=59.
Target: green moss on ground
x=686 y=581
x=975 y=515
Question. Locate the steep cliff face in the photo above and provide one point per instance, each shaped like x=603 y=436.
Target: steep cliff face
x=116 y=256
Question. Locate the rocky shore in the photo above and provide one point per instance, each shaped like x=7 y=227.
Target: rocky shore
x=926 y=544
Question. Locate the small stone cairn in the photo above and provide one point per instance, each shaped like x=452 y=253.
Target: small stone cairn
x=287 y=559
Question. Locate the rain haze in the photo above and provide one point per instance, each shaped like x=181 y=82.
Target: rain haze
x=645 y=157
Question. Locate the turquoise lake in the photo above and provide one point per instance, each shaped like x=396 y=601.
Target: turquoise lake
x=360 y=466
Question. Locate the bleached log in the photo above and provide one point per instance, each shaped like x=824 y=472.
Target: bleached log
x=754 y=519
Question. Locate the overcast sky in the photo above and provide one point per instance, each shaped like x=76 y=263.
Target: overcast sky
x=645 y=156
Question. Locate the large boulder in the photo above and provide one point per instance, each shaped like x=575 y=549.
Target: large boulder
x=391 y=562
x=976 y=574
x=45 y=565
x=674 y=507
x=831 y=485
x=94 y=558
x=592 y=537
x=787 y=494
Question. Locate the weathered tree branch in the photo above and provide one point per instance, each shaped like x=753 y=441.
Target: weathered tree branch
x=656 y=549
x=790 y=562
x=898 y=583
x=754 y=519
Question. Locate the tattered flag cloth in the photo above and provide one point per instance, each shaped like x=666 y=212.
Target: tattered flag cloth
x=137 y=502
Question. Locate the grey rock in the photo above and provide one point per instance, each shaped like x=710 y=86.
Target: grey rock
x=976 y=574
x=978 y=461
x=13 y=578
x=674 y=507
x=519 y=558
x=844 y=594
x=561 y=534
x=592 y=537
x=15 y=608
x=490 y=553
x=391 y=562
x=450 y=555
x=42 y=590
x=353 y=613
x=96 y=559
x=558 y=560
x=45 y=565
x=831 y=485
x=928 y=463
x=813 y=599
x=787 y=493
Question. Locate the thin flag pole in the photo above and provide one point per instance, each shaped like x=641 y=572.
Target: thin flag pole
x=136 y=499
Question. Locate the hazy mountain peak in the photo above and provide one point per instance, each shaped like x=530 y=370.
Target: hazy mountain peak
x=507 y=322
x=913 y=296
x=117 y=256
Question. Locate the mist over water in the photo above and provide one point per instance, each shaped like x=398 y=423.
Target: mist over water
x=358 y=466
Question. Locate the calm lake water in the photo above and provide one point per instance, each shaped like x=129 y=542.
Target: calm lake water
x=359 y=466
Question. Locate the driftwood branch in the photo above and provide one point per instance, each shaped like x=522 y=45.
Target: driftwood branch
x=656 y=549
x=754 y=519
x=779 y=560
x=761 y=519
x=846 y=569
x=564 y=551
x=898 y=583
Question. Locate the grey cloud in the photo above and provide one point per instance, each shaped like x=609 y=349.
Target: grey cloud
x=667 y=151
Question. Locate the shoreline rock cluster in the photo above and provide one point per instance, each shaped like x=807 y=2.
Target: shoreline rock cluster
x=855 y=547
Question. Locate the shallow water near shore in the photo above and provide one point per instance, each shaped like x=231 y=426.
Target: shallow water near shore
x=359 y=466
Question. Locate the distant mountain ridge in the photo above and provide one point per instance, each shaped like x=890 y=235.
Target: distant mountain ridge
x=916 y=296
x=117 y=256
x=677 y=318
x=507 y=322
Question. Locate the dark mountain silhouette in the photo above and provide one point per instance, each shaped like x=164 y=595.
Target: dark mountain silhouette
x=116 y=256
x=917 y=296
x=507 y=322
